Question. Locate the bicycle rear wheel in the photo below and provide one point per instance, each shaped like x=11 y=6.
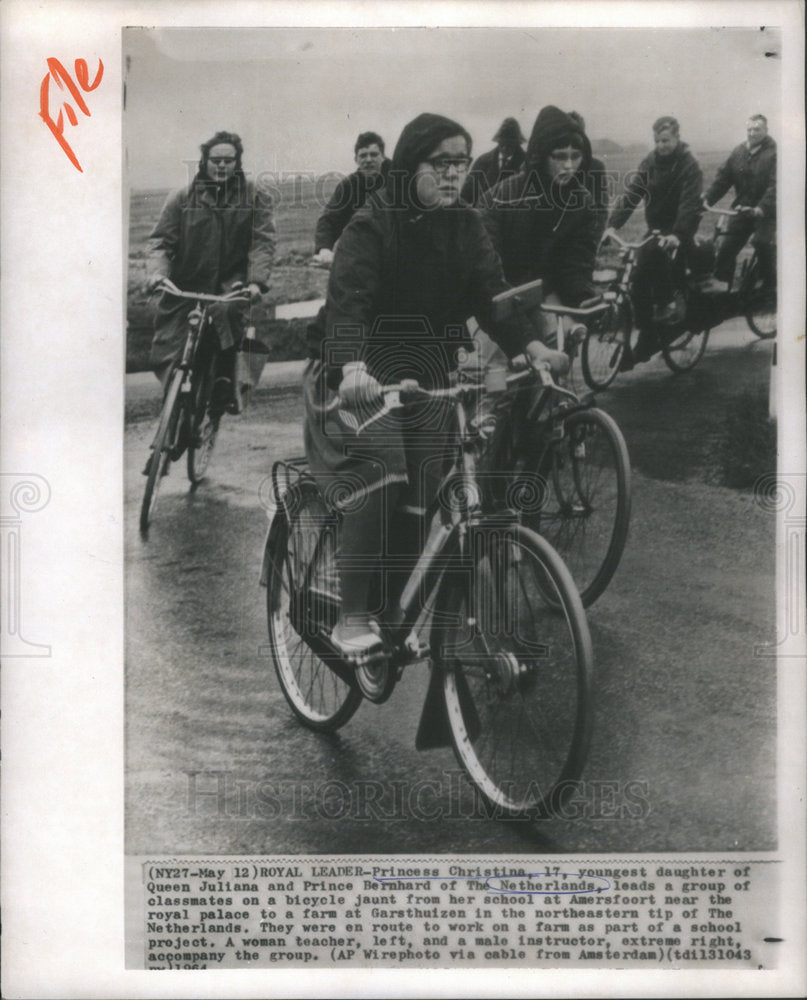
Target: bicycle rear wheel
x=760 y=303
x=683 y=348
x=517 y=675
x=585 y=511
x=203 y=426
x=605 y=345
x=319 y=690
x=163 y=446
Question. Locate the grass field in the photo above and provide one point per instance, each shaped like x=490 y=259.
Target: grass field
x=298 y=204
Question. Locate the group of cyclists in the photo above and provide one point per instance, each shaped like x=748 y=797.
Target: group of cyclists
x=417 y=245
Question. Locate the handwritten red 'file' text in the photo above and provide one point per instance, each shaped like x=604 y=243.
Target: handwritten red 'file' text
x=60 y=76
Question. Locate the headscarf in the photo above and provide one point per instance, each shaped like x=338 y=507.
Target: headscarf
x=417 y=140
x=554 y=129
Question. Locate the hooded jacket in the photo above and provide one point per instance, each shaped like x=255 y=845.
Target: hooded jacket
x=349 y=195
x=752 y=174
x=487 y=171
x=405 y=279
x=542 y=229
x=671 y=186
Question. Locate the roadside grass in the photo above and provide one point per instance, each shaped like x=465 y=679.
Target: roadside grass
x=745 y=447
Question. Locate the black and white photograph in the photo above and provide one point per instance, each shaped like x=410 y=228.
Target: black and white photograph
x=436 y=516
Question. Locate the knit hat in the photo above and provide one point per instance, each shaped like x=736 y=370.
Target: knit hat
x=554 y=129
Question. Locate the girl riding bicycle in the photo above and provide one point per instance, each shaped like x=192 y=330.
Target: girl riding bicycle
x=214 y=236
x=411 y=267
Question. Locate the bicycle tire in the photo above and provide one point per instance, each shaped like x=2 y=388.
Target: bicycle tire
x=760 y=303
x=682 y=347
x=203 y=427
x=321 y=698
x=604 y=347
x=161 y=449
x=584 y=512
x=517 y=675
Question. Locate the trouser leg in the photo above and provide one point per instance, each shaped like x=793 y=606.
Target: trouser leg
x=735 y=239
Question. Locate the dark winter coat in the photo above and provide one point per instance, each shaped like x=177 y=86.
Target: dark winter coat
x=545 y=230
x=207 y=238
x=486 y=173
x=671 y=186
x=753 y=177
x=595 y=181
x=405 y=280
x=349 y=195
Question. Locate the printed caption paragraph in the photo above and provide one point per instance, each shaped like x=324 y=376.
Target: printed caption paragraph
x=265 y=912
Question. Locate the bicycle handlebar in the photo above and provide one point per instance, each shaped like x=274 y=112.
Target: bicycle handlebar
x=611 y=234
x=561 y=310
x=236 y=295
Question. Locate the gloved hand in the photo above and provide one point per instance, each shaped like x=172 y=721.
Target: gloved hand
x=153 y=282
x=538 y=354
x=358 y=387
x=669 y=242
x=253 y=288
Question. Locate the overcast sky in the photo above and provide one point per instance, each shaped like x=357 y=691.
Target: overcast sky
x=298 y=97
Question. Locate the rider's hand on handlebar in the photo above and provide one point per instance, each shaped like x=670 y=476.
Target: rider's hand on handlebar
x=153 y=282
x=669 y=241
x=253 y=288
x=749 y=210
x=538 y=355
x=323 y=257
x=358 y=387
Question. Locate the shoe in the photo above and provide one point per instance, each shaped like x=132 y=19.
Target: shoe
x=673 y=312
x=713 y=285
x=222 y=398
x=626 y=363
x=359 y=645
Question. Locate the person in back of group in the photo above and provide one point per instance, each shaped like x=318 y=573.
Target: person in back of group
x=497 y=164
x=351 y=193
x=751 y=171
x=412 y=265
x=543 y=221
x=214 y=236
x=669 y=179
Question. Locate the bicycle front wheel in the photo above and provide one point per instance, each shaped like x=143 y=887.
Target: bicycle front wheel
x=299 y=596
x=605 y=345
x=585 y=510
x=203 y=426
x=760 y=303
x=164 y=444
x=517 y=675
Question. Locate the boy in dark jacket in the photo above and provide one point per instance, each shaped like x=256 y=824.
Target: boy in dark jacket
x=670 y=181
x=751 y=171
x=351 y=193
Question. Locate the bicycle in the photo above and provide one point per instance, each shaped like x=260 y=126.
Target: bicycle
x=573 y=453
x=487 y=602
x=683 y=341
x=749 y=294
x=187 y=423
x=608 y=340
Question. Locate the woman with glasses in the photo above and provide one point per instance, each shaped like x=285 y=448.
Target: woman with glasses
x=411 y=267
x=213 y=236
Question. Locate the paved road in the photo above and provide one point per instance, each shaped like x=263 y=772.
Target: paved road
x=684 y=746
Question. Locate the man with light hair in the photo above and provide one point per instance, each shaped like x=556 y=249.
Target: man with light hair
x=751 y=171
x=670 y=181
